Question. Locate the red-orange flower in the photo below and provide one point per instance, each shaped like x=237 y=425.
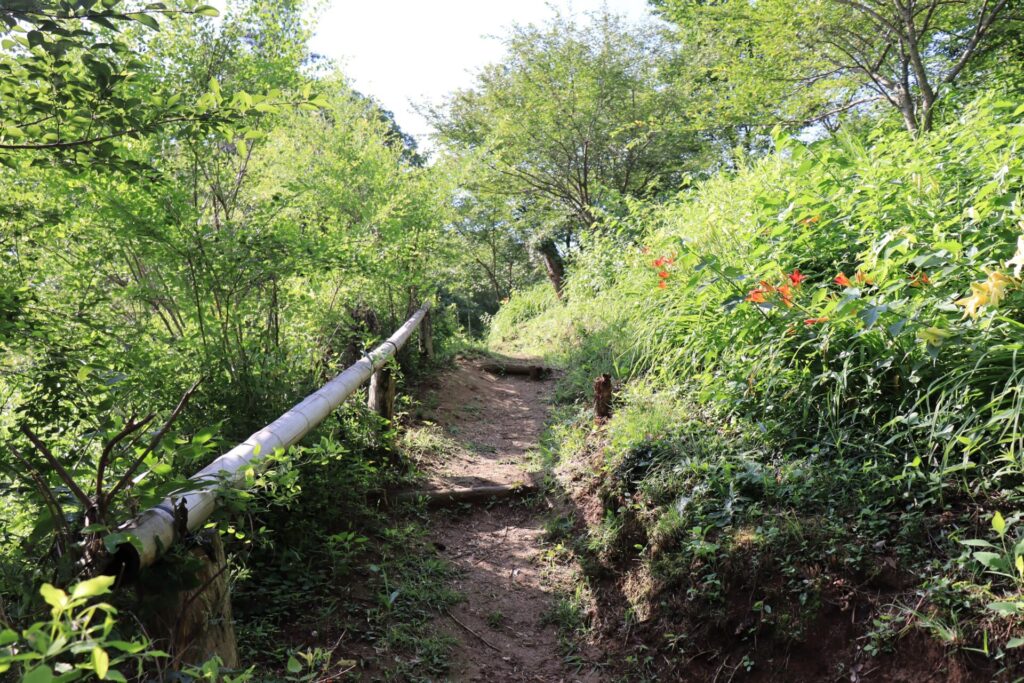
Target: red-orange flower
x=658 y=262
x=862 y=278
x=786 y=293
x=842 y=280
x=767 y=287
x=756 y=296
x=663 y=274
x=662 y=284
x=811 y=220
x=815 y=321
x=796 y=277
x=920 y=279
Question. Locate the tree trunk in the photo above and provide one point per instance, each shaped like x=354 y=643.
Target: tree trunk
x=553 y=264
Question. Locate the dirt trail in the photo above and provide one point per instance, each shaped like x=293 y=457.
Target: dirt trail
x=508 y=583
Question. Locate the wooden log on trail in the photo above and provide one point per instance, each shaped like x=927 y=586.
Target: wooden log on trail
x=473 y=494
x=195 y=625
x=603 y=397
x=525 y=369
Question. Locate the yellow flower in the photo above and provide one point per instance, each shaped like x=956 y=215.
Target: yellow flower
x=997 y=283
x=1018 y=259
x=978 y=298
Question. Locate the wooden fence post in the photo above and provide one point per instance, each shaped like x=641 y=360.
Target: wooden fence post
x=381 y=396
x=426 y=338
x=197 y=624
x=603 y=397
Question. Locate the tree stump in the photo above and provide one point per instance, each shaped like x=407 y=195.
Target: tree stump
x=194 y=625
x=603 y=397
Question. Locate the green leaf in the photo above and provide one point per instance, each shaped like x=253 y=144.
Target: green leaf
x=93 y=587
x=53 y=596
x=998 y=523
x=40 y=674
x=1006 y=609
x=1014 y=642
x=993 y=561
x=145 y=20
x=294 y=666
x=207 y=11
x=112 y=541
x=100 y=662
x=7 y=636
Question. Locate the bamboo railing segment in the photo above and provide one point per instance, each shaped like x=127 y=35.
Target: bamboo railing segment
x=159 y=527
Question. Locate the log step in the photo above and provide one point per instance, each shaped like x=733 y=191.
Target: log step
x=531 y=371
x=474 y=494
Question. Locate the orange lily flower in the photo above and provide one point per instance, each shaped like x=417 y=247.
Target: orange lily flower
x=787 y=295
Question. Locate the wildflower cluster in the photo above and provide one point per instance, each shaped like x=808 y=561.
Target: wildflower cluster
x=860 y=277
x=989 y=292
x=986 y=293
x=992 y=290
x=662 y=264
x=784 y=290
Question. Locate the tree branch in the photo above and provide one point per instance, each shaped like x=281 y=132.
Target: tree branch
x=154 y=442
x=58 y=468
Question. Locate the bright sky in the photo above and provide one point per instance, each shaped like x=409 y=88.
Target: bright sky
x=417 y=51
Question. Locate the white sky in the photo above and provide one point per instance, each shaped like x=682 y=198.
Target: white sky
x=417 y=51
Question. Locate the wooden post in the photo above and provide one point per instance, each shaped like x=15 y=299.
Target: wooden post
x=603 y=397
x=381 y=397
x=196 y=625
x=426 y=338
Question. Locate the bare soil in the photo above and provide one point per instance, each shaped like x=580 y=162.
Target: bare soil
x=509 y=581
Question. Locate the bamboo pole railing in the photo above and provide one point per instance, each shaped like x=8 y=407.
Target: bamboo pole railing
x=157 y=529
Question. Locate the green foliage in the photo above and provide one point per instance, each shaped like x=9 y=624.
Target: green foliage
x=189 y=199
x=574 y=118
x=824 y=355
x=802 y=62
x=76 y=643
x=83 y=641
